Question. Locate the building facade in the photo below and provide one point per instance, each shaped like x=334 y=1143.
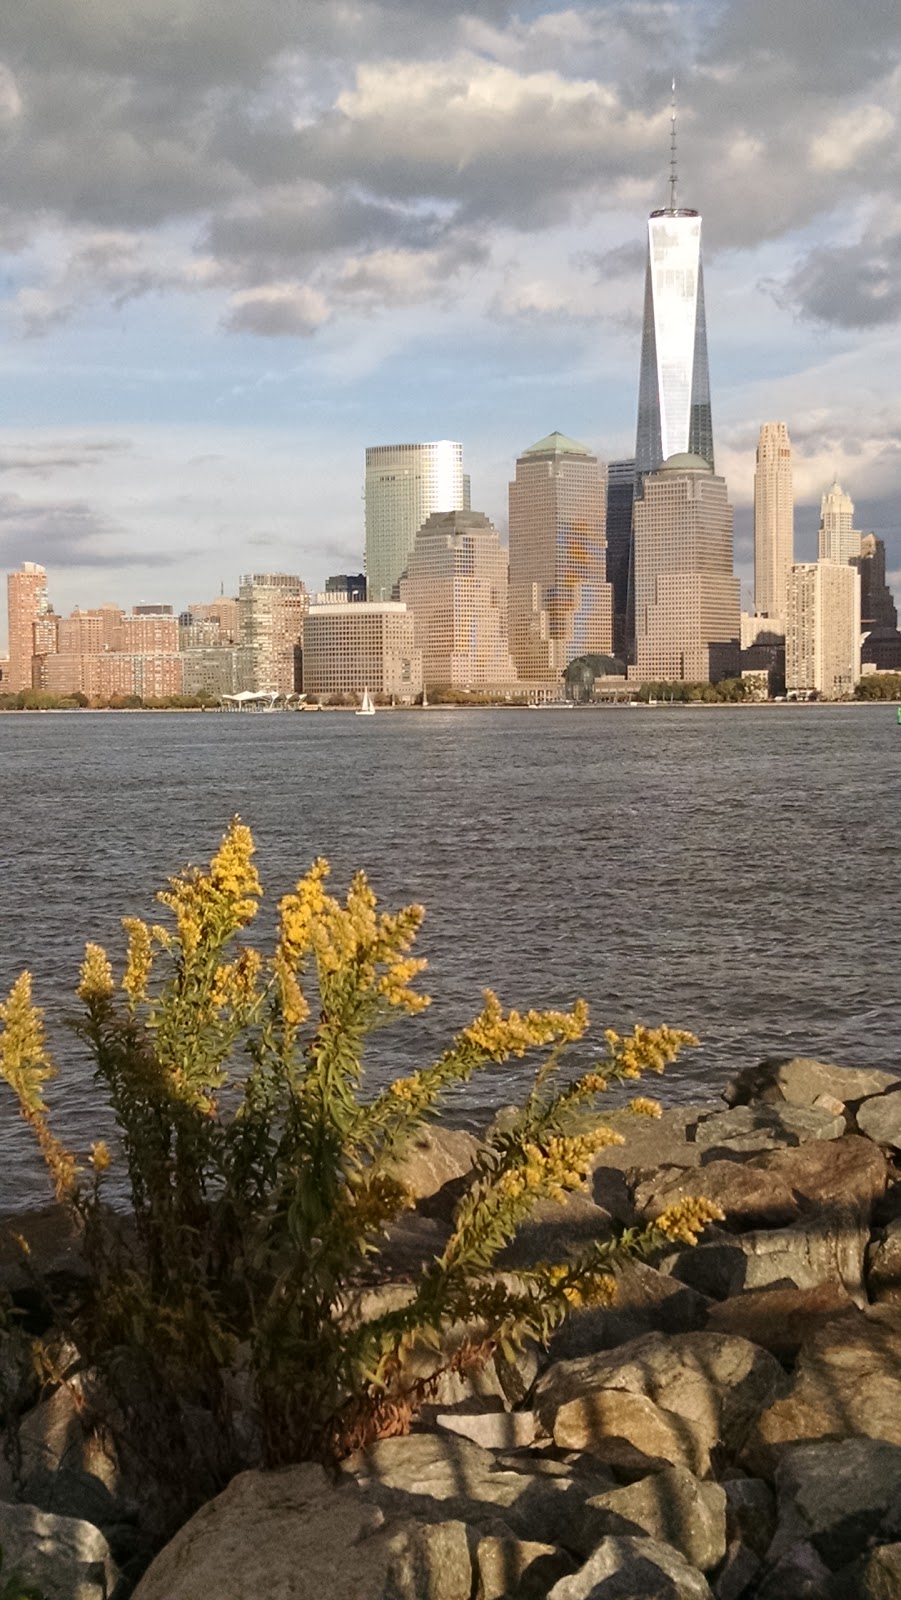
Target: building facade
x=272 y=608
x=774 y=520
x=27 y=605
x=674 y=414
x=456 y=589
x=877 y=606
x=405 y=483
x=687 y=601
x=822 y=635
x=560 y=602
x=357 y=645
x=838 y=539
x=620 y=571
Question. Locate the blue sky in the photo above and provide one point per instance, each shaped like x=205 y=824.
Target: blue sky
x=241 y=242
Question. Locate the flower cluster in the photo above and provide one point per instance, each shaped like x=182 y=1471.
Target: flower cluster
x=645 y=1049
x=685 y=1219
x=96 y=978
x=139 y=961
x=641 y=1106
x=499 y=1035
x=212 y=906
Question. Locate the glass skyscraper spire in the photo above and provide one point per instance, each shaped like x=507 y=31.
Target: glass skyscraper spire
x=674 y=387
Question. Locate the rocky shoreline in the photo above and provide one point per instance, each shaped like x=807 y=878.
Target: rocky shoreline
x=730 y=1427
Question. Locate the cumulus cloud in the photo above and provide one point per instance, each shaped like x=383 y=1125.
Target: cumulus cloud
x=278 y=308
x=69 y=533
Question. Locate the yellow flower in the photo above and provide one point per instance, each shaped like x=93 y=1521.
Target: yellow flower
x=96 y=980
x=642 y=1107
x=140 y=959
x=685 y=1219
x=100 y=1156
x=499 y=1036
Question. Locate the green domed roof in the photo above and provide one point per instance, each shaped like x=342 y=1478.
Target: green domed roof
x=558 y=444
x=684 y=461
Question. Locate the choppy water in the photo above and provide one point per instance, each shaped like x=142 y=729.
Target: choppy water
x=733 y=872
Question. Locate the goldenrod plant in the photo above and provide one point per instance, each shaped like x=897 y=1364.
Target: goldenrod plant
x=262 y=1178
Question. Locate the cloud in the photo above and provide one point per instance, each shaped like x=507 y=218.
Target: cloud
x=278 y=309
x=69 y=533
x=848 y=286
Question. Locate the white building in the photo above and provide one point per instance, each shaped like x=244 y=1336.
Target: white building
x=822 y=639
x=456 y=588
x=839 y=540
x=774 y=512
x=358 y=645
x=405 y=483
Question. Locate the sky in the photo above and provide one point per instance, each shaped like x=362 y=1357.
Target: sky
x=239 y=242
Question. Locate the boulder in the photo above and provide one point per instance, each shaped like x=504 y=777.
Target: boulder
x=556 y=1232
x=672 y=1506
x=647 y=1301
x=652 y=1142
x=876 y=1576
x=737 y=1573
x=779 y=1319
x=493 y=1430
x=826 y=1249
x=848 y=1174
x=799 y=1573
x=633 y=1569
x=750 y=1513
x=847 y=1385
x=516 y=1569
x=884 y=1264
x=800 y=1081
x=880 y=1118
x=671 y=1398
x=763 y=1127
x=841 y=1497
x=751 y=1198
x=293 y=1533
x=66 y=1559
x=435 y=1167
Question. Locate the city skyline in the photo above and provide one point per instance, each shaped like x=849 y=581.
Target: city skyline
x=233 y=259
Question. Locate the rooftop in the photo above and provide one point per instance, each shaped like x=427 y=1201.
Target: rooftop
x=558 y=444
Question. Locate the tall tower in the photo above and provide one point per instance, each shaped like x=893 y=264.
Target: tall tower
x=620 y=574
x=560 y=600
x=27 y=600
x=405 y=483
x=774 y=513
x=838 y=540
x=877 y=607
x=456 y=588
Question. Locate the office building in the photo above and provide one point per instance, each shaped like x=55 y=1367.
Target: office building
x=347 y=586
x=674 y=414
x=405 y=483
x=822 y=636
x=687 y=603
x=272 y=607
x=620 y=573
x=456 y=589
x=838 y=540
x=877 y=606
x=560 y=601
x=216 y=670
x=27 y=605
x=774 y=520
x=357 y=645
x=225 y=611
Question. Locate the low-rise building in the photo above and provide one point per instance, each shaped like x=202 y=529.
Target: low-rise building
x=358 y=645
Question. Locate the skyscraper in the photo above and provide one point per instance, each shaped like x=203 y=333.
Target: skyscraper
x=822 y=634
x=687 y=605
x=456 y=588
x=877 y=607
x=674 y=384
x=560 y=600
x=27 y=601
x=272 y=607
x=620 y=575
x=405 y=483
x=774 y=511
x=838 y=539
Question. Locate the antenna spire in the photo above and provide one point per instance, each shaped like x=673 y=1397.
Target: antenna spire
x=673 y=173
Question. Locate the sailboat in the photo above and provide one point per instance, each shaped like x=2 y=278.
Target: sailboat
x=425 y=699
x=367 y=705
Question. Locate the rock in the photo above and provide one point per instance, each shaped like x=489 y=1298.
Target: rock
x=516 y=1569
x=672 y=1506
x=737 y=1573
x=800 y=1080
x=763 y=1127
x=751 y=1198
x=884 y=1264
x=633 y=1569
x=493 y=1430
x=556 y=1232
x=410 y=1244
x=838 y=1496
x=826 y=1249
x=435 y=1167
x=66 y=1559
x=799 y=1573
x=779 y=1319
x=847 y=1385
x=652 y=1142
x=670 y=1398
x=417 y=1561
x=647 y=1301
x=750 y=1513
x=880 y=1118
x=848 y=1174
x=876 y=1576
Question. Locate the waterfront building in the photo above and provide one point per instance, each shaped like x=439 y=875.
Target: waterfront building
x=405 y=483
x=687 y=601
x=27 y=604
x=216 y=669
x=774 y=520
x=151 y=674
x=822 y=638
x=226 y=611
x=272 y=608
x=560 y=601
x=620 y=572
x=147 y=632
x=356 y=645
x=838 y=539
x=347 y=586
x=456 y=589
x=881 y=650
x=877 y=606
x=151 y=611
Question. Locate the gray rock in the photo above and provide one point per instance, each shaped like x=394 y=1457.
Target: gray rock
x=880 y=1118
x=799 y=1573
x=779 y=1319
x=827 y=1249
x=750 y=1513
x=556 y=1233
x=435 y=1167
x=516 y=1569
x=848 y=1174
x=672 y=1506
x=737 y=1573
x=665 y=1141
x=647 y=1301
x=764 y=1127
x=65 y=1558
x=493 y=1430
x=876 y=1576
x=838 y=1496
x=751 y=1198
x=800 y=1080
x=633 y=1569
x=884 y=1264
x=847 y=1385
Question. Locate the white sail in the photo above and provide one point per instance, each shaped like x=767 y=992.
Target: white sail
x=367 y=706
